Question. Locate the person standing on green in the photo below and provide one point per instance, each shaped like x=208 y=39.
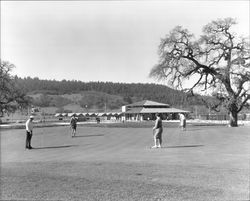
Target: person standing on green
x=29 y=132
x=157 y=132
x=182 y=121
x=73 y=123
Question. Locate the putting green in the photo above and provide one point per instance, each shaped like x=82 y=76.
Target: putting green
x=101 y=163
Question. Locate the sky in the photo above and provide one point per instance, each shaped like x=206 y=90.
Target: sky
x=113 y=41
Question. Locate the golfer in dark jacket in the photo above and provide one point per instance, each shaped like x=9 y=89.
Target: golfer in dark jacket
x=73 y=123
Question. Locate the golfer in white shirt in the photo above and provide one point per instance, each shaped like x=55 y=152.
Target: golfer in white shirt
x=29 y=131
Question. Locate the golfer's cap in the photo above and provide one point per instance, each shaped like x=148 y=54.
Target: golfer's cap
x=31 y=117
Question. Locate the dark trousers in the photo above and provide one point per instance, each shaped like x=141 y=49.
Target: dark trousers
x=28 y=139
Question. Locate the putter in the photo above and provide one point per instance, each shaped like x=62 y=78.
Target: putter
x=153 y=137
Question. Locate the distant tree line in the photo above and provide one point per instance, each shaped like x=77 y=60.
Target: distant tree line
x=129 y=92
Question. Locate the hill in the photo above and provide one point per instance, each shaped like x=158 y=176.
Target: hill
x=99 y=95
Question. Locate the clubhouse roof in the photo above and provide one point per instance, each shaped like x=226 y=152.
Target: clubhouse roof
x=150 y=107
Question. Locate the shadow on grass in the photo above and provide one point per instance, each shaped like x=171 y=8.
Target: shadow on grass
x=192 y=129
x=88 y=135
x=183 y=146
x=55 y=147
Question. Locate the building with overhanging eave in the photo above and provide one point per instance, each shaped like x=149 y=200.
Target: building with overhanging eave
x=146 y=110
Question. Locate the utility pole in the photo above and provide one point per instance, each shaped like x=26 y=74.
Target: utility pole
x=196 y=111
x=105 y=104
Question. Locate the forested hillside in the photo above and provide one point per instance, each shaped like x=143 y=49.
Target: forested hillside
x=106 y=95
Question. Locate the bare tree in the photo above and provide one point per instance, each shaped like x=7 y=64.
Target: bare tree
x=11 y=96
x=218 y=62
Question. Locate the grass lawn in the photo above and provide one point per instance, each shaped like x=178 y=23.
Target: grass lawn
x=116 y=163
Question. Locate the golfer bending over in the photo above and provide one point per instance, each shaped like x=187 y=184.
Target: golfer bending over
x=157 y=131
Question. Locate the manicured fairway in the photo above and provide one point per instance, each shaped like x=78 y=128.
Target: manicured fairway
x=103 y=163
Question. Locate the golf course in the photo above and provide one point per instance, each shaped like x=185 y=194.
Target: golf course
x=116 y=163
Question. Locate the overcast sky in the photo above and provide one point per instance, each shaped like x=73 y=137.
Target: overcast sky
x=101 y=40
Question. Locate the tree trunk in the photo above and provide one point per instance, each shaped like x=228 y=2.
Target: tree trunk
x=233 y=117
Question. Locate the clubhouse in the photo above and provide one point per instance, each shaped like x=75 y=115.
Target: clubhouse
x=139 y=111
x=146 y=110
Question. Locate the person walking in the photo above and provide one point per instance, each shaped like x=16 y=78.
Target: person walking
x=157 y=132
x=73 y=124
x=29 y=132
x=182 y=121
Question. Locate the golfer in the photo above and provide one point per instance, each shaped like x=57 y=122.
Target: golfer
x=73 y=122
x=182 y=121
x=29 y=132
x=157 y=132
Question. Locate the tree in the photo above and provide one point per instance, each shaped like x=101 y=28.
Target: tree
x=11 y=96
x=218 y=62
x=43 y=101
x=127 y=99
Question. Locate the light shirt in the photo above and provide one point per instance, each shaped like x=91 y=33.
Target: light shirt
x=29 y=125
x=182 y=117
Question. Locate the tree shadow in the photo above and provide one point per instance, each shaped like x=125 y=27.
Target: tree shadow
x=54 y=147
x=89 y=135
x=192 y=129
x=183 y=146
